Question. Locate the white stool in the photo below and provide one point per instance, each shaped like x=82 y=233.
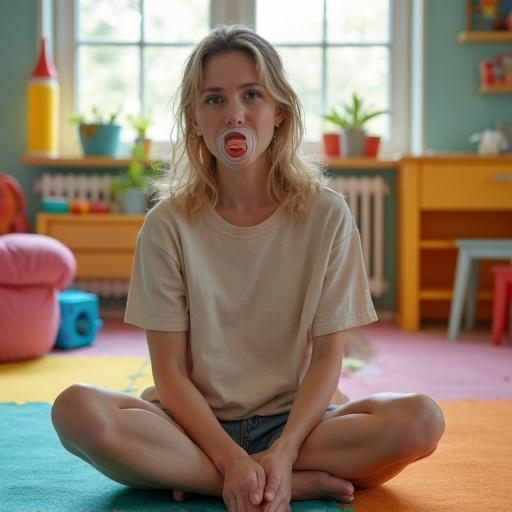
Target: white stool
x=471 y=251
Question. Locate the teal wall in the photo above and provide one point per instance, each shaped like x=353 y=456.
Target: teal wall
x=17 y=56
x=454 y=108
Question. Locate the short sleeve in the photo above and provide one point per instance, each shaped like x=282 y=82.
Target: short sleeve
x=345 y=300
x=157 y=297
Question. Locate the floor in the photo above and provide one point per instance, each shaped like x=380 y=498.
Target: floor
x=396 y=360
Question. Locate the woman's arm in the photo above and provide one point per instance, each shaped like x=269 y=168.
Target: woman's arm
x=243 y=478
x=316 y=390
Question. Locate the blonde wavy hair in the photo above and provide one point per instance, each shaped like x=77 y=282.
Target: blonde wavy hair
x=293 y=179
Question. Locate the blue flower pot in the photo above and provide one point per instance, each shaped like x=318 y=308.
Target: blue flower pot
x=100 y=139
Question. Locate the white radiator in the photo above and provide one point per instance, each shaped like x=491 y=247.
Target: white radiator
x=75 y=186
x=365 y=196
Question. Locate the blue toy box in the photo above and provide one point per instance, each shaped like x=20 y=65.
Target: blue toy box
x=79 y=319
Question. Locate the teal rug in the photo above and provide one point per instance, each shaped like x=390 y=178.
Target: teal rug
x=38 y=475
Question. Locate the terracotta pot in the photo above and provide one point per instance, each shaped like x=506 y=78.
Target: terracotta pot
x=371 y=146
x=331 y=144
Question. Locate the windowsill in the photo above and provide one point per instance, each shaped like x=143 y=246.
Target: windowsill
x=76 y=161
x=104 y=162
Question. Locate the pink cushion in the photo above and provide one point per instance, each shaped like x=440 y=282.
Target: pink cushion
x=29 y=321
x=32 y=269
x=28 y=259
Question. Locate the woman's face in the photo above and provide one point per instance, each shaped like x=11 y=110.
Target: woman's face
x=232 y=97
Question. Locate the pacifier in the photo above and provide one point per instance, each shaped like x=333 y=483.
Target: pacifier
x=236 y=146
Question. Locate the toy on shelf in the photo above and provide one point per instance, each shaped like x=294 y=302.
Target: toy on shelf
x=100 y=206
x=79 y=324
x=55 y=205
x=79 y=206
x=43 y=107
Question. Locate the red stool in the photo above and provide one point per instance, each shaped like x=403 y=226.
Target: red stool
x=502 y=299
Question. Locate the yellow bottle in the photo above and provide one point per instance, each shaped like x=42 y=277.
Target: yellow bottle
x=43 y=108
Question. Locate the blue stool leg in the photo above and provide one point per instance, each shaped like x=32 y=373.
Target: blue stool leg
x=459 y=292
x=469 y=320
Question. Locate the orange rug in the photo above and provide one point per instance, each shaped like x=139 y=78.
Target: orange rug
x=471 y=470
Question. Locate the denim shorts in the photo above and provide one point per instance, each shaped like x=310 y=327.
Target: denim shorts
x=253 y=434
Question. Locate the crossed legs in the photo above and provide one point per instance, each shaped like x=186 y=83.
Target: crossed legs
x=133 y=442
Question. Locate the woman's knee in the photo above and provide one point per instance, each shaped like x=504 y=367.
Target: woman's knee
x=80 y=418
x=419 y=424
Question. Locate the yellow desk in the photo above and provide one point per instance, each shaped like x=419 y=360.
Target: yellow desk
x=441 y=198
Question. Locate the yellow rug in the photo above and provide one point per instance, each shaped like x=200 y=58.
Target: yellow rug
x=41 y=380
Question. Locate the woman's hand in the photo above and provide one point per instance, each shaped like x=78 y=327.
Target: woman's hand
x=244 y=485
x=278 y=464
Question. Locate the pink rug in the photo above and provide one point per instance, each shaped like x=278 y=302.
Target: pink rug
x=425 y=361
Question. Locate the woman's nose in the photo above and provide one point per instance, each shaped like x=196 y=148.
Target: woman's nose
x=234 y=115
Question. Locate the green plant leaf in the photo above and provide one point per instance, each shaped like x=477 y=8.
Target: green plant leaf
x=352 y=114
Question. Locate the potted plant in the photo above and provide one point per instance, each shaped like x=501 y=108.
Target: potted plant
x=141 y=124
x=131 y=189
x=99 y=134
x=352 y=119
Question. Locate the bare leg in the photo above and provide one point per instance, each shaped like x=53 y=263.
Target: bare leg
x=131 y=441
x=135 y=443
x=371 y=440
x=339 y=398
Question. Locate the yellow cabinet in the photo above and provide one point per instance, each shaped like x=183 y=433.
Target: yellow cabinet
x=440 y=199
x=103 y=244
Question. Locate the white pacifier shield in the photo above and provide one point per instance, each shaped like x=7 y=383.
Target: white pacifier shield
x=250 y=141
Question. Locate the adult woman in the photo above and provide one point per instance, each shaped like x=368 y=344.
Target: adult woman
x=246 y=275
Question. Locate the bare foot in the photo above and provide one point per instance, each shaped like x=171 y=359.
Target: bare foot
x=307 y=485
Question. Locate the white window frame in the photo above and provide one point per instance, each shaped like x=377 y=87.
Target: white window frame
x=404 y=91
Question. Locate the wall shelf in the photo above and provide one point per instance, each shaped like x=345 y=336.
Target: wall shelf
x=491 y=36
x=495 y=89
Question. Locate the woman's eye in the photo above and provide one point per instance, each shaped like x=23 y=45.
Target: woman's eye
x=213 y=100
x=252 y=95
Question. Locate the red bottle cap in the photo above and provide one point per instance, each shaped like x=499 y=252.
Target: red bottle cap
x=44 y=66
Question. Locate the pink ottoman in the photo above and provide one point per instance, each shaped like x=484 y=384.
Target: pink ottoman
x=33 y=268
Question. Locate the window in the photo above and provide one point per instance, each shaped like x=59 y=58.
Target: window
x=129 y=54
x=332 y=48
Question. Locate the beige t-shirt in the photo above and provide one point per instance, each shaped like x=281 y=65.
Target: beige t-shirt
x=251 y=298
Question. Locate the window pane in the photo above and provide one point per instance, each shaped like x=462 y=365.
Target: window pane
x=162 y=75
x=304 y=68
x=176 y=20
x=285 y=21
x=112 y=20
x=368 y=76
x=108 y=78
x=347 y=21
